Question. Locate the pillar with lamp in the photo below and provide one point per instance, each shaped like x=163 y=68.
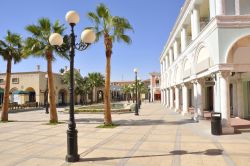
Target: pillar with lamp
x=136 y=92
x=46 y=95
x=56 y=40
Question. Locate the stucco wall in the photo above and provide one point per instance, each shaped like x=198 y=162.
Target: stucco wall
x=227 y=37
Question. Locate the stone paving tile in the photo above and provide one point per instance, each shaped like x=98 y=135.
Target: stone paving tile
x=141 y=158
x=156 y=137
x=40 y=162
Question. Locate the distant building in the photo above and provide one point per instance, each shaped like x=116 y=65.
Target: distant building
x=155 y=91
x=31 y=87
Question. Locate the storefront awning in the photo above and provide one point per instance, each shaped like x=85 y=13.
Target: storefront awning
x=20 y=92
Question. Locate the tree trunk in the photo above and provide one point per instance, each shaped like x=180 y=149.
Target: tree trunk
x=5 y=109
x=107 y=110
x=52 y=102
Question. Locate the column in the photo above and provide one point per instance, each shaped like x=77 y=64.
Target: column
x=183 y=38
x=151 y=94
x=176 y=50
x=163 y=95
x=235 y=99
x=184 y=99
x=195 y=21
x=161 y=68
x=167 y=98
x=177 y=98
x=240 y=106
x=196 y=117
x=237 y=7
x=200 y=97
x=220 y=7
x=212 y=8
x=171 y=56
x=166 y=62
x=171 y=98
x=225 y=99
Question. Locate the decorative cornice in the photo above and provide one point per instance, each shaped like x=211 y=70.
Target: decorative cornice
x=242 y=21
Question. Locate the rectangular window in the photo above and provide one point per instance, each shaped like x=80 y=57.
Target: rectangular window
x=15 y=80
x=244 y=7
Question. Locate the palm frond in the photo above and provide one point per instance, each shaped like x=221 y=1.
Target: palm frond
x=102 y=11
x=124 y=38
x=45 y=24
x=34 y=30
x=93 y=17
x=57 y=28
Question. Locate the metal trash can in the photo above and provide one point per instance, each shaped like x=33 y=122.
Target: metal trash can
x=216 y=128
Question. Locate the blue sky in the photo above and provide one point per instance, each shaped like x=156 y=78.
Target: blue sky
x=152 y=21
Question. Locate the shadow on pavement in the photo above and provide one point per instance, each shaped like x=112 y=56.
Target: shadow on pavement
x=140 y=122
x=208 y=152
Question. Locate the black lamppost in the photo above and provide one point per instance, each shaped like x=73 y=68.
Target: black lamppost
x=136 y=92
x=46 y=95
x=139 y=92
x=87 y=37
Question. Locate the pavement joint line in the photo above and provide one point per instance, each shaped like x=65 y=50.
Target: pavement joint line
x=137 y=145
x=225 y=155
x=177 y=158
x=103 y=142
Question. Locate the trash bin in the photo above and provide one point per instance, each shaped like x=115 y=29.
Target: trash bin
x=216 y=128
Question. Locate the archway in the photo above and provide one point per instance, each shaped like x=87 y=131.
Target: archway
x=187 y=69
x=32 y=94
x=203 y=59
x=239 y=52
x=238 y=55
x=99 y=96
x=178 y=75
x=62 y=97
x=11 y=93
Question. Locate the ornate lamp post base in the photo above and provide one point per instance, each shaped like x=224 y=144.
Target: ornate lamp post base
x=72 y=155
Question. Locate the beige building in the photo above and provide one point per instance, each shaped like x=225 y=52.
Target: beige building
x=155 y=91
x=31 y=87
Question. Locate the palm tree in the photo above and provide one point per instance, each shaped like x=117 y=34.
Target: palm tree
x=38 y=45
x=11 y=50
x=95 y=80
x=126 y=90
x=112 y=28
x=81 y=85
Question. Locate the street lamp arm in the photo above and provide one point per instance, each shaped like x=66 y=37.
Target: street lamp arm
x=81 y=46
x=66 y=46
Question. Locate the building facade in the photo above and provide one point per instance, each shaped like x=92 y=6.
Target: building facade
x=155 y=89
x=206 y=63
x=33 y=86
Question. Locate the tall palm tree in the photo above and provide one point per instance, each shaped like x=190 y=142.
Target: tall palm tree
x=38 y=45
x=112 y=28
x=95 y=80
x=11 y=50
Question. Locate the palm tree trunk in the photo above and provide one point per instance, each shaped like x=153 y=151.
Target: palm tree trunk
x=107 y=111
x=5 y=109
x=52 y=102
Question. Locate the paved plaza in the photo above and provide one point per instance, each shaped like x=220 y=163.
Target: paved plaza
x=156 y=137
